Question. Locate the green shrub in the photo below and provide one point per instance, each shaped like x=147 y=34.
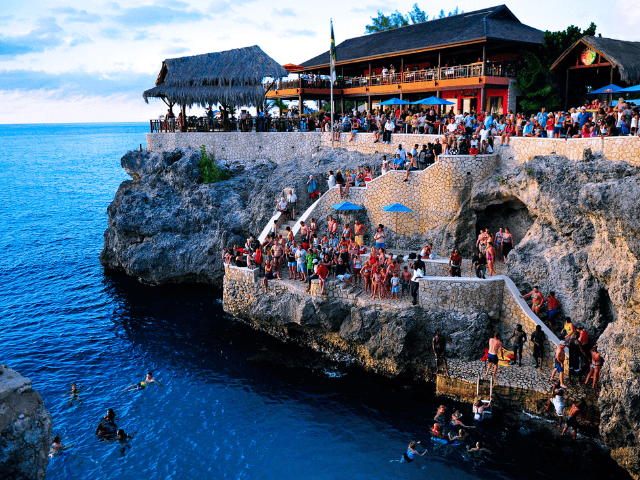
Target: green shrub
x=209 y=171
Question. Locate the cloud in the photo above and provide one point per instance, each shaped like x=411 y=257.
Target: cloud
x=77 y=82
x=172 y=3
x=112 y=5
x=81 y=40
x=84 y=17
x=373 y=8
x=148 y=15
x=141 y=35
x=218 y=7
x=111 y=33
x=298 y=33
x=46 y=35
x=284 y=12
x=174 y=50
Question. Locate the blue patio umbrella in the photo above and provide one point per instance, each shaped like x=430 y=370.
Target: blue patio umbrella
x=635 y=88
x=396 y=207
x=345 y=206
x=608 y=89
x=433 y=101
x=395 y=101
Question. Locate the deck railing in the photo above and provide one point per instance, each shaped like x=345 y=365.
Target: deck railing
x=204 y=124
x=425 y=75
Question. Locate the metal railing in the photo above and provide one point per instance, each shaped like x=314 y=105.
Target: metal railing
x=254 y=124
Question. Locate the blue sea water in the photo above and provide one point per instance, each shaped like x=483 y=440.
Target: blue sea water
x=221 y=413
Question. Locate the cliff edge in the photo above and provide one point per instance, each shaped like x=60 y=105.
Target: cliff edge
x=25 y=428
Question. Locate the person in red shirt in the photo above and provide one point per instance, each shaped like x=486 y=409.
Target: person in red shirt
x=537 y=299
x=552 y=305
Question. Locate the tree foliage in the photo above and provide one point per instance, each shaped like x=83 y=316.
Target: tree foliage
x=534 y=78
x=208 y=170
x=383 y=22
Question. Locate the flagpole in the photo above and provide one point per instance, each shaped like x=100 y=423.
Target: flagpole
x=331 y=75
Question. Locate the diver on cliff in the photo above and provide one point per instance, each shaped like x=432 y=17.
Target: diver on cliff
x=439 y=345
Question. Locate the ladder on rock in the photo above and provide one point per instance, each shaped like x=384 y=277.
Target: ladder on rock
x=490 y=411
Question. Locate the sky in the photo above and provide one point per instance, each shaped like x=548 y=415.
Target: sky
x=82 y=61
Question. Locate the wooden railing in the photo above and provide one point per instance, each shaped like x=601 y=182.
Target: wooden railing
x=204 y=124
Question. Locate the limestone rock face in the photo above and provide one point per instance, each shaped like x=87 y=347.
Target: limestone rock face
x=579 y=227
x=166 y=227
x=25 y=428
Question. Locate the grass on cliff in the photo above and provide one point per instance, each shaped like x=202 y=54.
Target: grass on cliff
x=208 y=170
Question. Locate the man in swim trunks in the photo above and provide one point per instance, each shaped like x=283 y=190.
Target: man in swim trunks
x=455 y=262
x=557 y=399
x=411 y=454
x=519 y=336
x=552 y=306
x=538 y=338
x=559 y=364
x=74 y=393
x=439 y=344
x=405 y=281
x=360 y=230
x=537 y=299
x=495 y=346
x=572 y=420
x=145 y=383
x=478 y=451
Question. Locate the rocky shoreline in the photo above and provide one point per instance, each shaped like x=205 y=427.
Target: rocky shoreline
x=575 y=223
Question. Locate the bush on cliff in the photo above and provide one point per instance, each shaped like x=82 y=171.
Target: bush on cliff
x=208 y=170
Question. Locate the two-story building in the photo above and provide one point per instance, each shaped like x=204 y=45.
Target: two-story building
x=470 y=59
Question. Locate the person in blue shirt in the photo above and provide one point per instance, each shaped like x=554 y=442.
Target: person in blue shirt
x=528 y=129
x=624 y=126
x=584 y=117
x=398 y=162
x=488 y=120
x=542 y=117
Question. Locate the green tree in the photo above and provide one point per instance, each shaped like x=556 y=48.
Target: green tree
x=534 y=80
x=208 y=170
x=383 y=22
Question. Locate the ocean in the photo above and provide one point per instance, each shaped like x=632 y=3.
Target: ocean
x=234 y=403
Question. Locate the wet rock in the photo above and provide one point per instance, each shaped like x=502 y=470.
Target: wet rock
x=25 y=428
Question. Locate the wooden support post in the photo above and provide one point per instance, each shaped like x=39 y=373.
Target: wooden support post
x=370 y=76
x=484 y=57
x=342 y=105
x=438 y=74
x=566 y=91
x=483 y=99
x=369 y=105
x=611 y=82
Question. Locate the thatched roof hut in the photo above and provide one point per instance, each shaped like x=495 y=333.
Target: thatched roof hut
x=232 y=77
x=622 y=54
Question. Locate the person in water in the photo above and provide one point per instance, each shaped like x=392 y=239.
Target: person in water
x=461 y=437
x=572 y=420
x=455 y=420
x=74 y=393
x=479 y=409
x=437 y=431
x=109 y=419
x=123 y=438
x=57 y=446
x=440 y=415
x=145 y=383
x=411 y=454
x=478 y=451
x=104 y=433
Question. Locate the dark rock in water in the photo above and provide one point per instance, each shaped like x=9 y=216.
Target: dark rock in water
x=578 y=233
x=25 y=429
x=167 y=227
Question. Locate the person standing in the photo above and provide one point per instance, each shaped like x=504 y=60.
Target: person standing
x=480 y=264
x=559 y=364
x=557 y=399
x=495 y=346
x=519 y=336
x=418 y=273
x=538 y=338
x=596 y=365
x=572 y=420
x=552 y=308
x=507 y=244
x=455 y=263
x=312 y=187
x=537 y=299
x=439 y=345
x=389 y=127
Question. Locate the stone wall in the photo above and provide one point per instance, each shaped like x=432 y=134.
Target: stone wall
x=435 y=194
x=241 y=274
x=523 y=149
x=364 y=142
x=464 y=295
x=239 y=146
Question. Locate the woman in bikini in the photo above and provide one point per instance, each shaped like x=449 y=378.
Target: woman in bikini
x=376 y=284
x=357 y=268
x=366 y=273
x=507 y=244
x=312 y=229
x=491 y=258
x=596 y=366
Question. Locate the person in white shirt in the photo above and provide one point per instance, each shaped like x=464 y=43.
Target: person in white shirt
x=331 y=182
x=389 y=127
x=292 y=199
x=418 y=269
x=401 y=151
x=574 y=115
x=486 y=148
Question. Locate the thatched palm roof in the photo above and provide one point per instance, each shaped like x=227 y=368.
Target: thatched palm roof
x=495 y=23
x=232 y=77
x=622 y=54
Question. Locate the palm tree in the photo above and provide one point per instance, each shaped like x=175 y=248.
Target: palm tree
x=275 y=103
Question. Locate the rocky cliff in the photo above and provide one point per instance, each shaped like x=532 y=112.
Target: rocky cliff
x=167 y=227
x=25 y=428
x=577 y=228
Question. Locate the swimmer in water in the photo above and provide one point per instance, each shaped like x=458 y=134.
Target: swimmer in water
x=109 y=419
x=123 y=438
x=478 y=451
x=145 y=383
x=411 y=454
x=103 y=433
x=74 y=393
x=479 y=409
x=461 y=437
x=440 y=415
x=455 y=420
x=436 y=431
x=57 y=446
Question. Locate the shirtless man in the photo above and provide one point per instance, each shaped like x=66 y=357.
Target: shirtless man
x=557 y=399
x=552 y=308
x=455 y=262
x=478 y=451
x=360 y=229
x=145 y=383
x=495 y=346
x=537 y=299
x=559 y=364
x=439 y=344
x=538 y=338
x=519 y=336
x=405 y=281
x=596 y=366
x=572 y=421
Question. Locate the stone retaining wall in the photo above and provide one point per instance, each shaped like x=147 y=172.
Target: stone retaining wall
x=523 y=149
x=364 y=142
x=239 y=146
x=460 y=295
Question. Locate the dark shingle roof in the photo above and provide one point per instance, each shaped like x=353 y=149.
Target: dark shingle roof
x=497 y=23
x=623 y=54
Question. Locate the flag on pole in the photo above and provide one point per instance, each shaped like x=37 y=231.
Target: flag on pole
x=332 y=54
